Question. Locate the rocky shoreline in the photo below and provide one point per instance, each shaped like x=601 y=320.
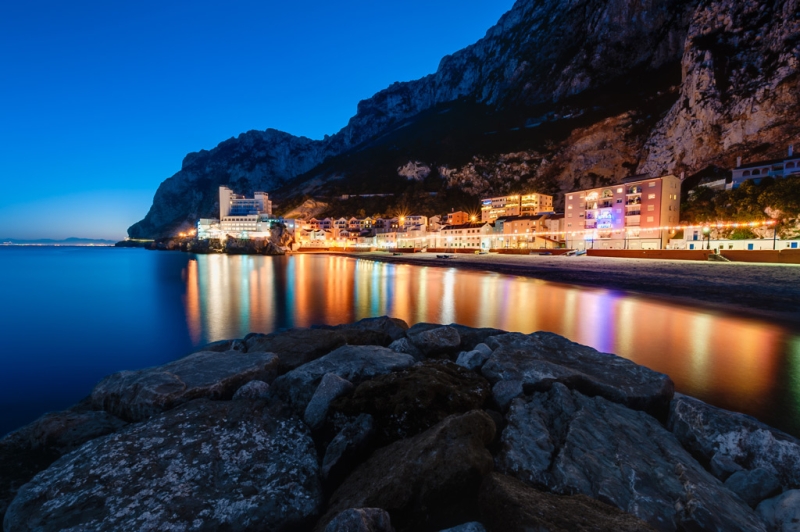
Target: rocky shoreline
x=375 y=426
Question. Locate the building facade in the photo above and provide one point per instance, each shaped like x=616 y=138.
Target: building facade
x=515 y=205
x=776 y=168
x=635 y=214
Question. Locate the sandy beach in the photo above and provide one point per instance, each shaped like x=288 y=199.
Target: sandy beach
x=769 y=291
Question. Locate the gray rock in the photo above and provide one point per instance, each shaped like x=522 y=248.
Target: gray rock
x=781 y=513
x=707 y=431
x=473 y=360
x=296 y=347
x=207 y=465
x=424 y=480
x=330 y=387
x=471 y=337
x=403 y=345
x=347 y=449
x=472 y=526
x=253 y=391
x=137 y=395
x=361 y=520
x=754 y=486
x=222 y=346
x=438 y=342
x=722 y=466
x=536 y=361
x=353 y=363
x=506 y=504
x=569 y=443
x=483 y=348
x=395 y=328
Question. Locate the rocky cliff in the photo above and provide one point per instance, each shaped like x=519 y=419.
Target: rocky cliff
x=582 y=92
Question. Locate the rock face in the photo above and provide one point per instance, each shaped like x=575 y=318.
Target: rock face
x=296 y=347
x=361 y=520
x=568 y=443
x=330 y=387
x=438 y=342
x=253 y=390
x=782 y=513
x=508 y=504
x=207 y=465
x=714 y=434
x=753 y=486
x=137 y=395
x=407 y=402
x=347 y=449
x=538 y=360
x=424 y=481
x=352 y=363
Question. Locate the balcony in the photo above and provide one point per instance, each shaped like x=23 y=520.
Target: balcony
x=634 y=190
x=633 y=213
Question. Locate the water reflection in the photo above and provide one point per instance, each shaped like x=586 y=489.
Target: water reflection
x=741 y=364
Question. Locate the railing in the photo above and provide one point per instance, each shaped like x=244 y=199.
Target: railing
x=633 y=213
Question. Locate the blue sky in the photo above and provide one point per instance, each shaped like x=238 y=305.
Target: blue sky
x=102 y=100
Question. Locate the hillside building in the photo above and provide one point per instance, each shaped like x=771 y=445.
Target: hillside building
x=776 y=168
x=515 y=205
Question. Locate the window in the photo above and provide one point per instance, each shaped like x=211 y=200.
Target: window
x=651 y=184
x=619 y=191
x=651 y=196
x=619 y=200
x=756 y=172
x=569 y=215
x=570 y=197
x=651 y=208
x=649 y=218
x=570 y=207
x=569 y=225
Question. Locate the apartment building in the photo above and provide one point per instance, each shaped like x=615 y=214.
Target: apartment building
x=515 y=205
x=472 y=235
x=776 y=168
x=635 y=214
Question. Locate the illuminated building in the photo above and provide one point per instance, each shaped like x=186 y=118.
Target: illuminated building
x=241 y=215
x=634 y=214
x=534 y=232
x=457 y=218
x=472 y=235
x=776 y=168
x=515 y=205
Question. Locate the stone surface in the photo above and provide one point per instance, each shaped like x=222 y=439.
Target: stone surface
x=348 y=448
x=569 y=443
x=403 y=345
x=32 y=448
x=437 y=342
x=473 y=337
x=253 y=391
x=394 y=328
x=536 y=361
x=361 y=520
x=353 y=363
x=509 y=505
x=472 y=526
x=754 y=486
x=424 y=482
x=473 y=360
x=330 y=387
x=781 y=513
x=137 y=395
x=296 y=347
x=207 y=465
x=222 y=346
x=707 y=431
x=407 y=402
x=722 y=466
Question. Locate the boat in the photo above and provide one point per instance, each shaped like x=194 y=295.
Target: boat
x=444 y=256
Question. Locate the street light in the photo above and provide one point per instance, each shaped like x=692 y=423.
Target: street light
x=707 y=233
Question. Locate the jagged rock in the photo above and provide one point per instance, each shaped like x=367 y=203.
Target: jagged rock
x=472 y=526
x=472 y=337
x=330 y=387
x=353 y=363
x=438 y=342
x=32 y=448
x=207 y=465
x=137 y=395
x=707 y=431
x=347 y=449
x=428 y=481
x=395 y=328
x=722 y=466
x=224 y=345
x=296 y=347
x=570 y=443
x=361 y=520
x=781 y=513
x=538 y=360
x=253 y=390
x=754 y=486
x=407 y=402
x=403 y=345
x=474 y=359
x=509 y=505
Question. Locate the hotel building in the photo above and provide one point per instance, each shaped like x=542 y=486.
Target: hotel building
x=241 y=215
x=634 y=214
x=516 y=205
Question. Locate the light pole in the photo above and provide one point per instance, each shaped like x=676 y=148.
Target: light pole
x=707 y=233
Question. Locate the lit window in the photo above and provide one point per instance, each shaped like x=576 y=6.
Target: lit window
x=570 y=197
x=651 y=184
x=651 y=196
x=649 y=218
x=651 y=207
x=570 y=207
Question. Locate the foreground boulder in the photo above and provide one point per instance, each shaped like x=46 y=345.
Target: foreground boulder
x=31 y=449
x=394 y=328
x=509 y=505
x=137 y=395
x=568 y=443
x=782 y=513
x=407 y=402
x=426 y=482
x=535 y=362
x=715 y=435
x=296 y=347
x=435 y=343
x=353 y=363
x=207 y=465
x=361 y=520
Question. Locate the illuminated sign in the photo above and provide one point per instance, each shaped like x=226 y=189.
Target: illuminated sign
x=487 y=202
x=604 y=215
x=605 y=225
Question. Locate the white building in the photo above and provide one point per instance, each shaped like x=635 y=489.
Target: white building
x=757 y=171
x=515 y=205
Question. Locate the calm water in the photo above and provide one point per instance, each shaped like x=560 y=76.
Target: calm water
x=73 y=315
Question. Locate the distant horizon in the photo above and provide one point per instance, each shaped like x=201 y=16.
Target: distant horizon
x=109 y=99
x=56 y=240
